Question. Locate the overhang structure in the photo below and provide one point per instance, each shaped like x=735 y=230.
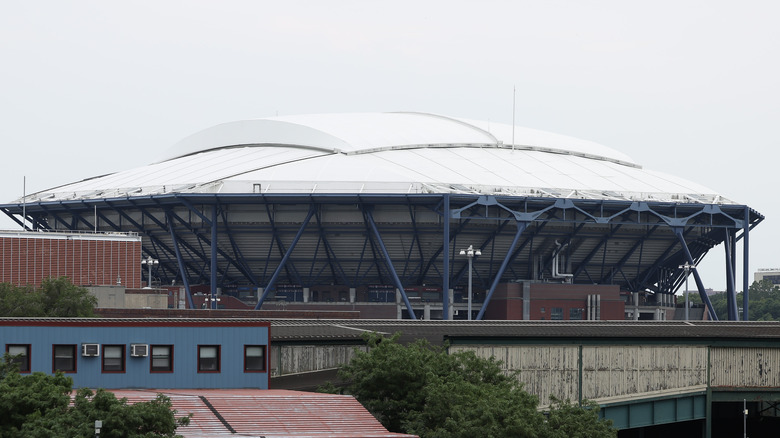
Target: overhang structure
x=391 y=198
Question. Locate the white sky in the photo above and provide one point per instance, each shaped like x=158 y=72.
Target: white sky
x=688 y=88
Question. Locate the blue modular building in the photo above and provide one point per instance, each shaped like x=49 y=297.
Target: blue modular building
x=143 y=353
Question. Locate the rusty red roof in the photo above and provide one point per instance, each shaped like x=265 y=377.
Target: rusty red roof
x=267 y=413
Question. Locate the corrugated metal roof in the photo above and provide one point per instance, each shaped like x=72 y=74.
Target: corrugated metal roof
x=437 y=331
x=119 y=322
x=388 y=153
x=267 y=413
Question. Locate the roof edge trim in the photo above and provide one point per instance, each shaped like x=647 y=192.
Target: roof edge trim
x=498 y=145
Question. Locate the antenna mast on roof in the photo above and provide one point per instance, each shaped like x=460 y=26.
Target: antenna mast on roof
x=513 y=119
x=24 y=203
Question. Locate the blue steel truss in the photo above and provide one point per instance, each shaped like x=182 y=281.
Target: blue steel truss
x=261 y=240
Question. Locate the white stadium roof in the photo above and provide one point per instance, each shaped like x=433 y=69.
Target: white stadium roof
x=403 y=153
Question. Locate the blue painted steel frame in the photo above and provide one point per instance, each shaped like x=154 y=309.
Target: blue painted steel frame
x=280 y=268
x=389 y=262
x=182 y=266
x=661 y=276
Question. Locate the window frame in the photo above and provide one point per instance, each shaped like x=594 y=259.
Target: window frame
x=152 y=368
x=218 y=359
x=123 y=357
x=74 y=350
x=264 y=361
x=26 y=357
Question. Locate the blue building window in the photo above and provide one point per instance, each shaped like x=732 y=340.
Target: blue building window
x=20 y=355
x=162 y=359
x=113 y=358
x=254 y=358
x=208 y=358
x=64 y=358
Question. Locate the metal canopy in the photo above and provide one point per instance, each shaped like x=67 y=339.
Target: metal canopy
x=357 y=240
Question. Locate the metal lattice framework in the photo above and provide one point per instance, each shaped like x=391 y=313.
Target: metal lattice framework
x=262 y=240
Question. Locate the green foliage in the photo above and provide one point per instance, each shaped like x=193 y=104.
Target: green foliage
x=23 y=398
x=19 y=301
x=571 y=421
x=420 y=389
x=57 y=297
x=764 y=302
x=37 y=405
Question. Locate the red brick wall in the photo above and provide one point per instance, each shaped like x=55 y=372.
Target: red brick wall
x=88 y=260
x=507 y=301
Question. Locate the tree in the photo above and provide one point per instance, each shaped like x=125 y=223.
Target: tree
x=571 y=421
x=25 y=397
x=19 y=301
x=60 y=297
x=764 y=303
x=57 y=297
x=38 y=405
x=422 y=390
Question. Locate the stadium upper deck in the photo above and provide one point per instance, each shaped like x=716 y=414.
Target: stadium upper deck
x=367 y=200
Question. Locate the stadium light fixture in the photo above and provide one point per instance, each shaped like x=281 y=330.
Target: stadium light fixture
x=687 y=267
x=470 y=252
x=149 y=261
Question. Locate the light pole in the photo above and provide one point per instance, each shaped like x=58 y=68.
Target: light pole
x=470 y=252
x=149 y=261
x=687 y=267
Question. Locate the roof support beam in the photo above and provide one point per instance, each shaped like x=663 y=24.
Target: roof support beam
x=182 y=266
x=745 y=262
x=521 y=226
x=214 y=230
x=272 y=282
x=445 y=249
x=389 y=262
x=336 y=270
x=702 y=293
x=731 y=293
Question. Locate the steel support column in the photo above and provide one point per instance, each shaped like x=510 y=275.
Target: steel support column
x=521 y=226
x=446 y=260
x=731 y=292
x=389 y=263
x=272 y=282
x=182 y=268
x=699 y=285
x=213 y=304
x=745 y=263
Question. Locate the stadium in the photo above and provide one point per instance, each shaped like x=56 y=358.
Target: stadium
x=420 y=210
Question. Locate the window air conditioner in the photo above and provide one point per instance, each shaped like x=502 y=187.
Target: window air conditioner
x=139 y=350
x=90 y=350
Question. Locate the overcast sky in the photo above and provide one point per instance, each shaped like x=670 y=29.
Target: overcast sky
x=689 y=88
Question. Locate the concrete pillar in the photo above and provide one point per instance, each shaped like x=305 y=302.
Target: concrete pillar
x=427 y=312
x=260 y=291
x=598 y=307
x=451 y=301
x=635 y=297
x=306 y=293
x=527 y=301
x=352 y=295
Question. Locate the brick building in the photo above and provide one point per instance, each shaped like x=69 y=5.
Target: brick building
x=87 y=259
